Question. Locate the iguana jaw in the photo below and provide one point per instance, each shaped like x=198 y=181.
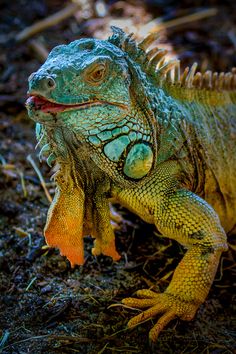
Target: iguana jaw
x=40 y=103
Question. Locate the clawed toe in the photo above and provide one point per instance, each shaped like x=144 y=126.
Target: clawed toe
x=147 y=294
x=139 y=303
x=162 y=322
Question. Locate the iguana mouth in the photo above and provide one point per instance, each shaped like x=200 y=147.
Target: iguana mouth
x=40 y=103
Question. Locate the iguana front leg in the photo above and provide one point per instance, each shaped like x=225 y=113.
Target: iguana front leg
x=103 y=232
x=187 y=218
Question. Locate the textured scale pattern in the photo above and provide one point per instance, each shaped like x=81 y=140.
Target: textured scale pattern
x=120 y=122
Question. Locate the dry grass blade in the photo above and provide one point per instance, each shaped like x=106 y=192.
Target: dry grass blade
x=43 y=184
x=190 y=18
x=39 y=49
x=47 y=22
x=157 y=24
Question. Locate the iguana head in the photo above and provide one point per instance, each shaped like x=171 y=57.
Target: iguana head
x=89 y=89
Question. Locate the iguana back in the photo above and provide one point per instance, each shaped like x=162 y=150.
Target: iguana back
x=210 y=129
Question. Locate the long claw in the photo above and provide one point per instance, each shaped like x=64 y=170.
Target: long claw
x=114 y=215
x=161 y=323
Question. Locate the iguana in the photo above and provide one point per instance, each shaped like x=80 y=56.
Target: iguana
x=121 y=123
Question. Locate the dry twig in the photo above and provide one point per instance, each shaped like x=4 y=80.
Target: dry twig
x=39 y=49
x=43 y=184
x=47 y=22
x=157 y=24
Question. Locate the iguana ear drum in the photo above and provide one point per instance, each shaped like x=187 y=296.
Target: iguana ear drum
x=139 y=161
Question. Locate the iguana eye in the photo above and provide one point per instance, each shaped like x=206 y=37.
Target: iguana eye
x=96 y=75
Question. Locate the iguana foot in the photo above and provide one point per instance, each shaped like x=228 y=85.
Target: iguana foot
x=170 y=306
x=107 y=248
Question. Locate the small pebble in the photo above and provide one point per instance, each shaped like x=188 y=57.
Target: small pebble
x=46 y=289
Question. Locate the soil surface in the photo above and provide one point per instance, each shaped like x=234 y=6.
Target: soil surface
x=45 y=306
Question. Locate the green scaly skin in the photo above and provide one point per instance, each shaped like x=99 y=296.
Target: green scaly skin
x=118 y=130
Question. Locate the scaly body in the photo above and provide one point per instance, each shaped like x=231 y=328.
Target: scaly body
x=122 y=124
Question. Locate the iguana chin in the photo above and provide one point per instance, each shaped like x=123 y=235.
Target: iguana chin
x=121 y=123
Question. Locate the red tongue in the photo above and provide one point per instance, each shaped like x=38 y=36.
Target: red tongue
x=39 y=103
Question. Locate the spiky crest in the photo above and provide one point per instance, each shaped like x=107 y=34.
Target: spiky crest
x=166 y=73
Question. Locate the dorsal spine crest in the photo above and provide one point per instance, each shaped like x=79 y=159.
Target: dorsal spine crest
x=163 y=72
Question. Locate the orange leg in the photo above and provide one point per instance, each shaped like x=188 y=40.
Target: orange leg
x=104 y=236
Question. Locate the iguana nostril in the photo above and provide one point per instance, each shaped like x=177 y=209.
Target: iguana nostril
x=43 y=84
x=50 y=83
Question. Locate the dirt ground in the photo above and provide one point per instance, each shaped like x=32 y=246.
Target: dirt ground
x=45 y=306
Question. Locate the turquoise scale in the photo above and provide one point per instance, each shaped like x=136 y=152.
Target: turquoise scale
x=114 y=149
